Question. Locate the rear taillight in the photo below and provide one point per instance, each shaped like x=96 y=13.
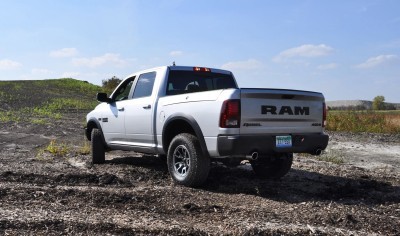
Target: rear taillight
x=230 y=114
x=324 y=114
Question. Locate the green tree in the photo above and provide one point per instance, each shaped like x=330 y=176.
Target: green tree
x=378 y=103
x=110 y=84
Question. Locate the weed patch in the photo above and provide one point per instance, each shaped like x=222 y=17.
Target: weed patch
x=332 y=156
x=57 y=149
x=60 y=149
x=364 y=121
x=39 y=121
x=85 y=148
x=9 y=116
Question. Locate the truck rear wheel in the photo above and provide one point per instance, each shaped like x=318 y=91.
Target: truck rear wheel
x=97 y=148
x=273 y=168
x=186 y=162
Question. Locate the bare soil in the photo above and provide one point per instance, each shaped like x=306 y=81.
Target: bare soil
x=41 y=194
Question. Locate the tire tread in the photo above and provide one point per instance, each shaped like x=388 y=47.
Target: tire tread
x=97 y=147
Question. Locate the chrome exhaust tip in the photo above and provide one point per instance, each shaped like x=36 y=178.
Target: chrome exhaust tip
x=253 y=156
x=318 y=152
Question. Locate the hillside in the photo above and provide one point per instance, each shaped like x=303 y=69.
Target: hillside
x=42 y=101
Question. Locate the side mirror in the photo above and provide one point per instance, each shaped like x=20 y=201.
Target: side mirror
x=102 y=97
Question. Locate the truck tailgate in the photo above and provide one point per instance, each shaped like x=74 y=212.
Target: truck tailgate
x=279 y=111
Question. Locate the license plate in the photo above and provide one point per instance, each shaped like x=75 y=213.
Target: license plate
x=283 y=141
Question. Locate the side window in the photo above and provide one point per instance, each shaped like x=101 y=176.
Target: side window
x=144 y=86
x=123 y=91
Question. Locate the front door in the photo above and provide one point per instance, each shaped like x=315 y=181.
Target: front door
x=139 y=112
x=113 y=119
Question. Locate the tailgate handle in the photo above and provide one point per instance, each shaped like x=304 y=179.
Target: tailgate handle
x=287 y=96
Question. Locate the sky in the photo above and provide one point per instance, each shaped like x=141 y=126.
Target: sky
x=346 y=49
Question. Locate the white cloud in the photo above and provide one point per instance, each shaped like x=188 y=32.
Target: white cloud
x=306 y=50
x=176 y=53
x=377 y=61
x=39 y=71
x=329 y=66
x=64 y=52
x=250 y=64
x=7 y=64
x=70 y=74
x=106 y=59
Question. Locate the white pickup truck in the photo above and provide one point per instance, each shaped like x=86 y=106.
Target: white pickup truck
x=193 y=115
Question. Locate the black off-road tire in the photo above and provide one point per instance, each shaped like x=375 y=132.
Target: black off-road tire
x=97 y=147
x=273 y=167
x=187 y=164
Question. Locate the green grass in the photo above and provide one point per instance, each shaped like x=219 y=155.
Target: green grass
x=39 y=121
x=364 y=121
x=70 y=103
x=329 y=155
x=85 y=148
x=57 y=149
x=41 y=101
x=8 y=116
x=332 y=156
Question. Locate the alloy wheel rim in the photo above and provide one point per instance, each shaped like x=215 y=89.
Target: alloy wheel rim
x=181 y=160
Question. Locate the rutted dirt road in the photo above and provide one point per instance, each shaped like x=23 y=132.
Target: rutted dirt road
x=42 y=194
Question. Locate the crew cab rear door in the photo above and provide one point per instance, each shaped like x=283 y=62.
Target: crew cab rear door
x=278 y=111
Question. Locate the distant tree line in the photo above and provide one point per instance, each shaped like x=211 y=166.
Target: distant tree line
x=378 y=103
x=110 y=84
x=348 y=108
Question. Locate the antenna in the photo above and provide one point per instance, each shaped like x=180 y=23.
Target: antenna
x=173 y=63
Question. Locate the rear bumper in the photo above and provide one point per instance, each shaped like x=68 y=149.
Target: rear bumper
x=241 y=145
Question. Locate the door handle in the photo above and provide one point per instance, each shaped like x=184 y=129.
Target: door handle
x=147 y=107
x=121 y=109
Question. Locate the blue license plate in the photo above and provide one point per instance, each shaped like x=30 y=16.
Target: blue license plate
x=284 y=141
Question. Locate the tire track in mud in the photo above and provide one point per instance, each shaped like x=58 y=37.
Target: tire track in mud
x=31 y=140
x=133 y=194
x=34 y=215
x=89 y=202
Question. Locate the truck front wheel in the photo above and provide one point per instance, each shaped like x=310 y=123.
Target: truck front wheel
x=97 y=149
x=186 y=163
x=273 y=167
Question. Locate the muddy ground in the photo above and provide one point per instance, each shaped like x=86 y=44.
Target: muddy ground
x=42 y=194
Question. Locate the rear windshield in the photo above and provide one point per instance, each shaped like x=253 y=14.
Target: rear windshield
x=180 y=82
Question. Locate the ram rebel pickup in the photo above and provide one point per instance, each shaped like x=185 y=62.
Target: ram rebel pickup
x=195 y=115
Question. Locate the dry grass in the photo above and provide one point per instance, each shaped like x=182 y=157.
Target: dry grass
x=393 y=119
x=364 y=121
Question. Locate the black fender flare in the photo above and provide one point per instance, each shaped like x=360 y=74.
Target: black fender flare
x=88 y=129
x=193 y=123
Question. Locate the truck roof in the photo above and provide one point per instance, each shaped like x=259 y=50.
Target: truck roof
x=186 y=68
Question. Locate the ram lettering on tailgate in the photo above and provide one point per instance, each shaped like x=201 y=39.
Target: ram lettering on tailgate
x=273 y=110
